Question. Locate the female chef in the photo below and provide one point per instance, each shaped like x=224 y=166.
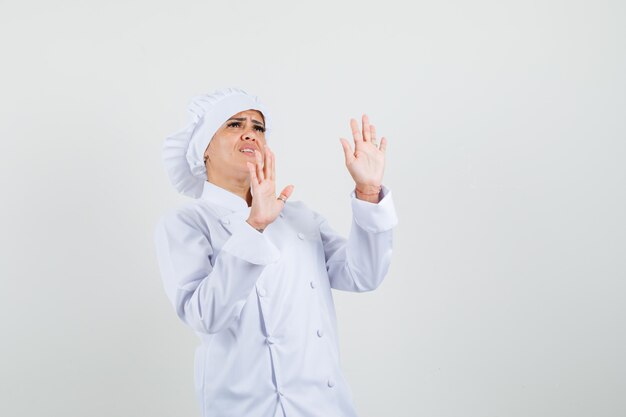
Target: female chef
x=251 y=272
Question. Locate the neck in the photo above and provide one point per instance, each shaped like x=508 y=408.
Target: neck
x=237 y=185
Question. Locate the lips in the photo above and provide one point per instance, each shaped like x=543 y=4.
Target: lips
x=247 y=149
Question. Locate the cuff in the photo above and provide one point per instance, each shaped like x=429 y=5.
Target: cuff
x=375 y=217
x=251 y=245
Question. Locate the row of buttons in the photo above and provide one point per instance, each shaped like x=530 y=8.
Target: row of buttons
x=320 y=333
x=271 y=340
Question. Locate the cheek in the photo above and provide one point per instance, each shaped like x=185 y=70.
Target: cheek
x=220 y=151
x=225 y=145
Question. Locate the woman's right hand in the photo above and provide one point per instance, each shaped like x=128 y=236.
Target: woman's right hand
x=265 y=206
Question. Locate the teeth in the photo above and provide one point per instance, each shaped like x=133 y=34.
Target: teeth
x=247 y=150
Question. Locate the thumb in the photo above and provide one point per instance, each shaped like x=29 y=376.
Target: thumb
x=288 y=190
x=347 y=151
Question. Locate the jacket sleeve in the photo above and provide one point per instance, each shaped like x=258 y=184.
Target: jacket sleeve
x=361 y=262
x=209 y=298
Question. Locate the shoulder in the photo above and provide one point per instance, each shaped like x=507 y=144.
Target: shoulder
x=192 y=214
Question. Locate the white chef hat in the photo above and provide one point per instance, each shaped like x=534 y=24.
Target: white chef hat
x=183 y=151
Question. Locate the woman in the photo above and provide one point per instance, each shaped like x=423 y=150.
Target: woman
x=251 y=273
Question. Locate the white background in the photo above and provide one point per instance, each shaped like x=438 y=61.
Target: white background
x=506 y=125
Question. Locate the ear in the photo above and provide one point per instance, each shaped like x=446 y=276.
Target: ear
x=206 y=152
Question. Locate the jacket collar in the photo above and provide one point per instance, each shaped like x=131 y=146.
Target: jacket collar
x=214 y=194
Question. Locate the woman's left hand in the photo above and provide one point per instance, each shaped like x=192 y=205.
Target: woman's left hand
x=366 y=163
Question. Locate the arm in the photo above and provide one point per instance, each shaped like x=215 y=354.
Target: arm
x=361 y=262
x=208 y=297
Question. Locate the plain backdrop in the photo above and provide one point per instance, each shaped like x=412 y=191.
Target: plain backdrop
x=506 y=123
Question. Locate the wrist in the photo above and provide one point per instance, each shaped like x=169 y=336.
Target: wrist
x=371 y=194
x=368 y=189
x=369 y=198
x=259 y=227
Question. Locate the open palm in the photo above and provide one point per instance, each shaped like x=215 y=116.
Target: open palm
x=366 y=163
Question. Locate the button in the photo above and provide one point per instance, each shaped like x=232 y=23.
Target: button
x=320 y=332
x=262 y=292
x=312 y=284
x=270 y=340
x=301 y=235
x=226 y=221
x=331 y=383
x=280 y=393
x=281 y=214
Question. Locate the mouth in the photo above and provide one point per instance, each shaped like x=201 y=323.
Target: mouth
x=247 y=150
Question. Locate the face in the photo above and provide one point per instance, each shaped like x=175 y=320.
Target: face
x=225 y=153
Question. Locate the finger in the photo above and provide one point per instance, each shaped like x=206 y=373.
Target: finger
x=383 y=144
x=267 y=167
x=358 y=139
x=259 y=165
x=273 y=162
x=287 y=191
x=366 y=128
x=347 y=151
x=253 y=178
x=372 y=133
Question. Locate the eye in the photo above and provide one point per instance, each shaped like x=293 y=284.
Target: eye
x=238 y=124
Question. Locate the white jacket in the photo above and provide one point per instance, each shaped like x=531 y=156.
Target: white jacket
x=261 y=303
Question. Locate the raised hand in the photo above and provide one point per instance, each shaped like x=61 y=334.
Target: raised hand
x=366 y=163
x=265 y=205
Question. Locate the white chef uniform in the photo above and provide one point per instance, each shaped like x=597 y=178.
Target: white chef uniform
x=261 y=303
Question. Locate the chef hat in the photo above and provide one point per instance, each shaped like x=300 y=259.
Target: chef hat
x=183 y=151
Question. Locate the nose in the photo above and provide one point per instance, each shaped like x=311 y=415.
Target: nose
x=249 y=135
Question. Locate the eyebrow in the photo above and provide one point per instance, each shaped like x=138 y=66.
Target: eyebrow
x=241 y=119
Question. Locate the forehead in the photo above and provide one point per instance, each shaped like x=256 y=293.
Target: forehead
x=254 y=114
